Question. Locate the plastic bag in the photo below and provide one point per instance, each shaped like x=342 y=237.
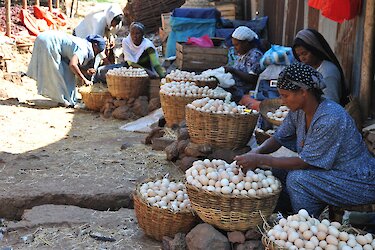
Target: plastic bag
x=203 y=41
x=277 y=55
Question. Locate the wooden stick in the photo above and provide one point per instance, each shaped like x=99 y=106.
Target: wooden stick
x=24 y=4
x=367 y=74
x=50 y=5
x=7 y=18
x=57 y=4
x=37 y=2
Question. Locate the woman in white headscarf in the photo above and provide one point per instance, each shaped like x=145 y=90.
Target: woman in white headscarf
x=246 y=69
x=103 y=22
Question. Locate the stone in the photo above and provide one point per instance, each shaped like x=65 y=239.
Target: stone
x=181 y=146
x=140 y=106
x=155 y=133
x=172 y=151
x=193 y=150
x=249 y=245
x=161 y=143
x=120 y=102
x=206 y=237
x=182 y=134
x=205 y=149
x=236 y=237
x=122 y=113
x=186 y=162
x=154 y=104
x=107 y=113
x=178 y=243
x=253 y=234
x=131 y=101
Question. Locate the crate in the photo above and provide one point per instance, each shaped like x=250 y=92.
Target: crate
x=193 y=58
x=165 y=19
x=228 y=10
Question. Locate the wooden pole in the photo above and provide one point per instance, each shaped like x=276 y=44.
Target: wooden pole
x=50 y=5
x=7 y=18
x=367 y=72
x=24 y=4
x=57 y=4
x=37 y=2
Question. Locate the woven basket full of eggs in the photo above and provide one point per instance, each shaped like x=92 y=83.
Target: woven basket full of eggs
x=174 y=96
x=124 y=83
x=228 y=199
x=94 y=96
x=273 y=110
x=163 y=208
x=303 y=231
x=220 y=124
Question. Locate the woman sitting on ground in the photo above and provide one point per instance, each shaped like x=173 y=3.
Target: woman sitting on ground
x=138 y=52
x=311 y=48
x=333 y=166
x=246 y=68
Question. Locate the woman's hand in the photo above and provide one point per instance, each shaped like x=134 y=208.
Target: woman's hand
x=88 y=82
x=229 y=69
x=248 y=161
x=91 y=71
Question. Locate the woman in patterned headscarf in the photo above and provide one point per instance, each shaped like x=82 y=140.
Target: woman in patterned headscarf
x=333 y=166
x=246 y=69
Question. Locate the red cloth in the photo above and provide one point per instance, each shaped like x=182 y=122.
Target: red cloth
x=337 y=10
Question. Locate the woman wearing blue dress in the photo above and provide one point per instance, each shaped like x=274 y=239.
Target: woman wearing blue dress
x=334 y=166
x=55 y=62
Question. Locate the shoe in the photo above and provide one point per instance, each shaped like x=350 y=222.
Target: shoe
x=80 y=106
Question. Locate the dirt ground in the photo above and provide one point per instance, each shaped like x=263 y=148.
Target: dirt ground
x=63 y=156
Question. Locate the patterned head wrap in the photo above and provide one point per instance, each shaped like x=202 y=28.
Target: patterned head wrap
x=244 y=33
x=299 y=75
x=137 y=25
x=99 y=40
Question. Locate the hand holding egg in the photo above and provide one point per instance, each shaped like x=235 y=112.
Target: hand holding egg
x=248 y=161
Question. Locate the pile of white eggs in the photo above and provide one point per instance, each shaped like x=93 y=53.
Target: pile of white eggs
x=180 y=75
x=166 y=194
x=220 y=177
x=217 y=106
x=279 y=114
x=300 y=231
x=189 y=89
x=204 y=78
x=128 y=72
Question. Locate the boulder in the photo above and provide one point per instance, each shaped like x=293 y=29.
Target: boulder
x=178 y=243
x=236 y=237
x=154 y=104
x=206 y=237
x=183 y=134
x=122 y=113
x=249 y=245
x=172 y=151
x=140 y=106
x=186 y=162
x=181 y=146
x=120 y=102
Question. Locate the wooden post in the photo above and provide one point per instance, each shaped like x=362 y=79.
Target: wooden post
x=24 y=4
x=57 y=4
x=7 y=18
x=50 y=5
x=367 y=73
x=37 y=2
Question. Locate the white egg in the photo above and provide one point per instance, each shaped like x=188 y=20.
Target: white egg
x=226 y=190
x=303 y=213
x=224 y=182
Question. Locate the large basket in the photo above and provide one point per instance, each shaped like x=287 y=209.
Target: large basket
x=157 y=222
x=231 y=212
x=220 y=130
x=174 y=108
x=124 y=87
x=268 y=105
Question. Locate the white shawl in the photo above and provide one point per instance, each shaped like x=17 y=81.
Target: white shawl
x=132 y=52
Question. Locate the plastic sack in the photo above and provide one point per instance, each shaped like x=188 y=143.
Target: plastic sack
x=277 y=55
x=203 y=41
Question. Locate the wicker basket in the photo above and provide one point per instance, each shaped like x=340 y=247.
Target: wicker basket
x=174 y=108
x=267 y=243
x=157 y=222
x=210 y=84
x=231 y=212
x=127 y=87
x=220 y=130
x=268 y=105
x=95 y=100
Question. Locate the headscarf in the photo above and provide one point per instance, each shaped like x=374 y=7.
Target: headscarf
x=244 y=33
x=110 y=13
x=299 y=75
x=313 y=41
x=137 y=25
x=133 y=52
x=99 y=40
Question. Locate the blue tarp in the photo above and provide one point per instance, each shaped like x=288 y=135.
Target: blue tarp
x=204 y=13
x=182 y=28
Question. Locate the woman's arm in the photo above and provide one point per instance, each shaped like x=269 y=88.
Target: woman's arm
x=155 y=62
x=73 y=65
x=268 y=146
x=246 y=77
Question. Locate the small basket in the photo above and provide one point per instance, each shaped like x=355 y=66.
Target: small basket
x=174 y=108
x=211 y=84
x=95 y=100
x=157 y=222
x=270 y=105
x=231 y=212
x=124 y=87
x=220 y=130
